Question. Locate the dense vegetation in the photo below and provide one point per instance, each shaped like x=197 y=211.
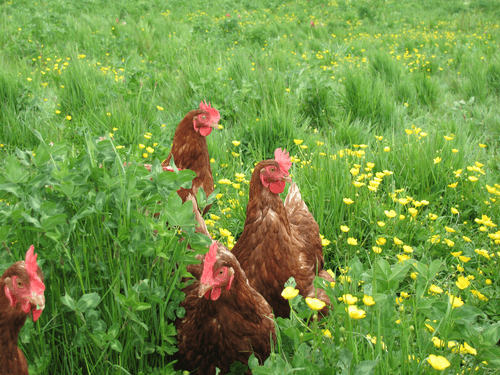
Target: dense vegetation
x=390 y=109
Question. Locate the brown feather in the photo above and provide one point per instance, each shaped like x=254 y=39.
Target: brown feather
x=279 y=241
x=190 y=151
x=217 y=333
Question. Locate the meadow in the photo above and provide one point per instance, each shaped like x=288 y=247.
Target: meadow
x=391 y=110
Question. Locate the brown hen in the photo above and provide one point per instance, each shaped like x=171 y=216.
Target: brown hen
x=280 y=240
x=226 y=319
x=190 y=151
x=21 y=292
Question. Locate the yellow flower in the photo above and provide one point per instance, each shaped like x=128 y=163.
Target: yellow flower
x=387 y=149
x=214 y=217
x=225 y=181
x=380 y=223
x=224 y=232
x=356 y=313
x=354 y=171
x=145 y=155
x=159 y=108
x=368 y=300
x=401 y=217
x=325 y=242
x=407 y=249
x=219 y=196
x=314 y=303
x=235 y=154
x=488 y=282
x=58 y=111
x=344 y=228
x=381 y=241
x=456 y=301
x=390 y=214
x=68 y=118
x=449 y=138
x=402 y=257
x=397 y=241
x=327 y=333
x=358 y=184
x=29 y=79
x=349 y=299
x=120 y=147
x=413 y=211
x=454 y=150
x=482 y=145
x=236 y=143
x=352 y=241
x=437 y=160
x=437 y=342
x=376 y=249
x=473 y=178
x=298 y=141
x=150 y=149
x=289 y=292
x=147 y=136
x=479 y=295
x=450 y=243
x=449 y=230
x=454 y=211
x=403 y=201
x=453 y=185
x=462 y=282
x=469 y=349
x=464 y=259
x=141 y=145
x=432 y=216
x=456 y=254
x=438 y=362
x=413 y=275
x=435 y=289
x=482 y=252
x=348 y=201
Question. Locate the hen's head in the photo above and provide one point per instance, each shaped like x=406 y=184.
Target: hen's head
x=217 y=272
x=209 y=119
x=274 y=173
x=24 y=285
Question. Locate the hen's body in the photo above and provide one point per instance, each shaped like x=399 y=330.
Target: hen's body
x=279 y=241
x=190 y=151
x=215 y=333
x=12 y=360
x=21 y=290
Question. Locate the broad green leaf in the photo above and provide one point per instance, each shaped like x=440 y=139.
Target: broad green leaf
x=114 y=330
x=490 y=335
x=13 y=171
x=365 y=368
x=116 y=345
x=32 y=220
x=12 y=188
x=51 y=222
x=68 y=301
x=88 y=302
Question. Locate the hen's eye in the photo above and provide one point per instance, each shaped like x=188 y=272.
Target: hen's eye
x=19 y=283
x=221 y=272
x=272 y=169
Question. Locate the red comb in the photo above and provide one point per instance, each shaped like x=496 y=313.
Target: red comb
x=208 y=266
x=31 y=268
x=214 y=114
x=283 y=159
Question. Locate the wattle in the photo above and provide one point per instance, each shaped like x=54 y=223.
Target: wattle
x=205 y=130
x=277 y=187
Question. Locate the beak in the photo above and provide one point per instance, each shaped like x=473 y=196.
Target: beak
x=203 y=289
x=287 y=178
x=38 y=301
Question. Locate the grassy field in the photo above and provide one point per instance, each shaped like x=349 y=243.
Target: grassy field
x=391 y=110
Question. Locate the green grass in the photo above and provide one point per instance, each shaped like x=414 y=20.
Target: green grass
x=366 y=94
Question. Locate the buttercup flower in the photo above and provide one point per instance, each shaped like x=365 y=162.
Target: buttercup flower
x=289 y=292
x=438 y=362
x=314 y=303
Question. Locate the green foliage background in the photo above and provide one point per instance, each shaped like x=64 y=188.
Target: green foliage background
x=355 y=90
